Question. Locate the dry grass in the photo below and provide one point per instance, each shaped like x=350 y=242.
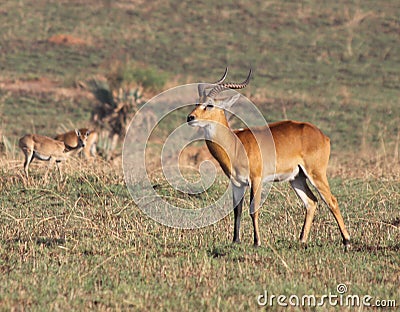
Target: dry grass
x=84 y=244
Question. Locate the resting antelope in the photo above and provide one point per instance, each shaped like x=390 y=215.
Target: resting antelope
x=48 y=149
x=71 y=140
x=248 y=159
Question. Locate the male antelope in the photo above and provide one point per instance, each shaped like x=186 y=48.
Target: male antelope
x=48 y=149
x=71 y=140
x=248 y=159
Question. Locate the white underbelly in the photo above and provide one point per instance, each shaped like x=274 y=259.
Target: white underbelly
x=41 y=156
x=282 y=177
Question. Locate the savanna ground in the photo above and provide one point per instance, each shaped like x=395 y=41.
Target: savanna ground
x=83 y=244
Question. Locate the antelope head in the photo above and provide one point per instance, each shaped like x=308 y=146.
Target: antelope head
x=209 y=109
x=82 y=137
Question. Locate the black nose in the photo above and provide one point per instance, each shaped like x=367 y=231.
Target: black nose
x=190 y=118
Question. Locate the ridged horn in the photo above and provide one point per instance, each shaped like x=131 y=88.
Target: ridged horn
x=221 y=80
x=225 y=86
x=202 y=86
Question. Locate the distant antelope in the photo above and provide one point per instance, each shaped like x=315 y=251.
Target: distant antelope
x=248 y=158
x=71 y=139
x=48 y=149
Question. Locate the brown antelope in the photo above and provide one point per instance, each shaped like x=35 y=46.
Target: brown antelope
x=48 y=149
x=248 y=157
x=71 y=140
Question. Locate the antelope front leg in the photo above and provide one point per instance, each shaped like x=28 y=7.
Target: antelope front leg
x=238 y=195
x=28 y=159
x=51 y=164
x=255 y=199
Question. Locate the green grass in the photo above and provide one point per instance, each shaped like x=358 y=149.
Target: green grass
x=294 y=48
x=43 y=113
x=84 y=244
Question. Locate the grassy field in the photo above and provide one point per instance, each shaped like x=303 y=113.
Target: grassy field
x=83 y=244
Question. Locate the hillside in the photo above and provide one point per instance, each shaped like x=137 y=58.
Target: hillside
x=336 y=64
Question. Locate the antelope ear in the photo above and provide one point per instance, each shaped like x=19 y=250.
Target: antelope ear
x=228 y=102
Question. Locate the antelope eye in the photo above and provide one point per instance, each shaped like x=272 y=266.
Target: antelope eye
x=210 y=106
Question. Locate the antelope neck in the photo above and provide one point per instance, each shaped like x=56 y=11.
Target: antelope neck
x=221 y=142
x=69 y=148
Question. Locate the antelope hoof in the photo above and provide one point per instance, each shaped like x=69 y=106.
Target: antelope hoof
x=303 y=245
x=256 y=244
x=347 y=245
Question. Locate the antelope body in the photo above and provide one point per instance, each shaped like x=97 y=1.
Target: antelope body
x=47 y=149
x=287 y=151
x=71 y=140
